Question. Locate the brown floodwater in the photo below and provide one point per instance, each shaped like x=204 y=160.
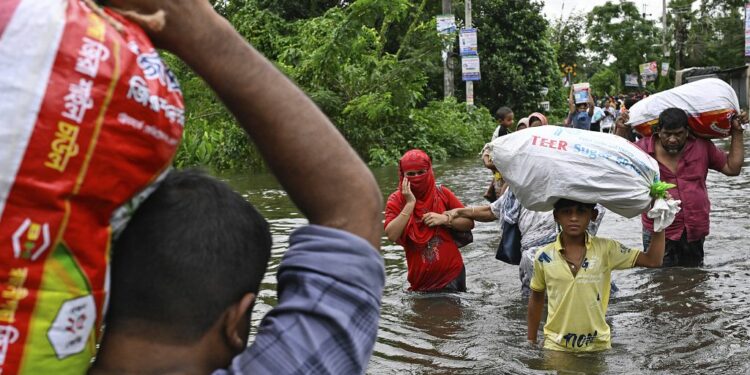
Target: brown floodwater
x=679 y=321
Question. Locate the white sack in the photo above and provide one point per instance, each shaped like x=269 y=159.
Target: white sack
x=709 y=102
x=547 y=163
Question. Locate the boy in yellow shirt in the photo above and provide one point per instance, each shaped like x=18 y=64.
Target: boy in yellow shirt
x=574 y=272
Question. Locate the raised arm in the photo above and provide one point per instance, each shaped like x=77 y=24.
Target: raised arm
x=571 y=102
x=620 y=128
x=395 y=229
x=324 y=177
x=654 y=256
x=736 y=148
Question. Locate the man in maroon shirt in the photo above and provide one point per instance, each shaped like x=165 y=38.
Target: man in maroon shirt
x=684 y=160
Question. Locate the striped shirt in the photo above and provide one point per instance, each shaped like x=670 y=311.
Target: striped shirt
x=329 y=286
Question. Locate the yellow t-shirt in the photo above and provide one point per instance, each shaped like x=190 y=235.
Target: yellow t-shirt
x=577 y=305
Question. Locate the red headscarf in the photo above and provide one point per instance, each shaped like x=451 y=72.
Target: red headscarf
x=424 y=190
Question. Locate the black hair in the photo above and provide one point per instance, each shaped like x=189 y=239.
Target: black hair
x=191 y=250
x=502 y=112
x=629 y=102
x=673 y=119
x=565 y=203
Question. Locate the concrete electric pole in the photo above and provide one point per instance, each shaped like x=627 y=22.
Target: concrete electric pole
x=469 y=84
x=448 y=63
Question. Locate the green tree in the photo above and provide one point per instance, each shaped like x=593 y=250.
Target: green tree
x=716 y=34
x=606 y=82
x=619 y=32
x=568 y=40
x=368 y=64
x=516 y=55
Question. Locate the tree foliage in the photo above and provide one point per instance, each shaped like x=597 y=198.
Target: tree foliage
x=517 y=57
x=619 y=32
x=367 y=64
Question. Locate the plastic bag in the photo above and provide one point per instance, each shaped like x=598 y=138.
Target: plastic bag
x=91 y=117
x=663 y=213
x=710 y=104
x=547 y=163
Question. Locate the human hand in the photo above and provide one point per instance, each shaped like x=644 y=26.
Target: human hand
x=433 y=219
x=452 y=214
x=738 y=121
x=172 y=25
x=406 y=191
x=623 y=119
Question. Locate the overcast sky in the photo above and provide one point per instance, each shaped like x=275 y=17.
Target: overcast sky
x=553 y=8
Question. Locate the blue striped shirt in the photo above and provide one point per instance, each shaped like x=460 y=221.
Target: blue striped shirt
x=329 y=287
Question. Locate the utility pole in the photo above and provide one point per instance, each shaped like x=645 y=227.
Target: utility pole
x=448 y=63
x=664 y=25
x=469 y=84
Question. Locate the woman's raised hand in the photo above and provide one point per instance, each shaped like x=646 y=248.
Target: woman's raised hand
x=406 y=191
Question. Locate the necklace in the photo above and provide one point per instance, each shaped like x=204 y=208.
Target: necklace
x=574 y=265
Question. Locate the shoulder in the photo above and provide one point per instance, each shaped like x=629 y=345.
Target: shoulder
x=395 y=199
x=544 y=254
x=608 y=245
x=645 y=143
x=703 y=143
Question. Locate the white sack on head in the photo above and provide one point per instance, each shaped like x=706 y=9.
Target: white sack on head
x=710 y=104
x=547 y=163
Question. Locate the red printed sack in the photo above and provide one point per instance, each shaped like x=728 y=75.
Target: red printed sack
x=91 y=116
x=710 y=104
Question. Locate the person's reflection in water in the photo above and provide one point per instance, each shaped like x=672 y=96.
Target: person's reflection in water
x=573 y=363
x=437 y=314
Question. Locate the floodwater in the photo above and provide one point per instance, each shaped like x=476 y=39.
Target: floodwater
x=678 y=321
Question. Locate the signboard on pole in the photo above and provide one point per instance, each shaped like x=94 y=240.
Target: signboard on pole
x=664 y=69
x=467 y=40
x=747 y=29
x=631 y=80
x=446 y=24
x=649 y=71
x=470 y=68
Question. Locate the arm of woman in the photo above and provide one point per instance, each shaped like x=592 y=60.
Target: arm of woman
x=395 y=228
x=480 y=213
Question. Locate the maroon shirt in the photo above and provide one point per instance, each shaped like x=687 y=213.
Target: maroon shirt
x=697 y=157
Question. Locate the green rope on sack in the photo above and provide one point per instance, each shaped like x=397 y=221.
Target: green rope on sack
x=659 y=189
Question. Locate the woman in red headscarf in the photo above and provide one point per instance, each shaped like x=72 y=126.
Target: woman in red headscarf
x=414 y=219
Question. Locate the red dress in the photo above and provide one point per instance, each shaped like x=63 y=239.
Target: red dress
x=432 y=257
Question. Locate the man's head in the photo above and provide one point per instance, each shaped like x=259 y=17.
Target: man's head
x=574 y=217
x=504 y=117
x=673 y=130
x=582 y=107
x=189 y=265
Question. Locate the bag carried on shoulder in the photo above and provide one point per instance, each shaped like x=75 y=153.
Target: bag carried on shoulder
x=509 y=248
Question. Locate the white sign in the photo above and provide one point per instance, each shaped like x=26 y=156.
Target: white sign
x=648 y=71
x=446 y=24
x=467 y=40
x=544 y=106
x=470 y=68
x=70 y=331
x=664 y=69
x=631 y=80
